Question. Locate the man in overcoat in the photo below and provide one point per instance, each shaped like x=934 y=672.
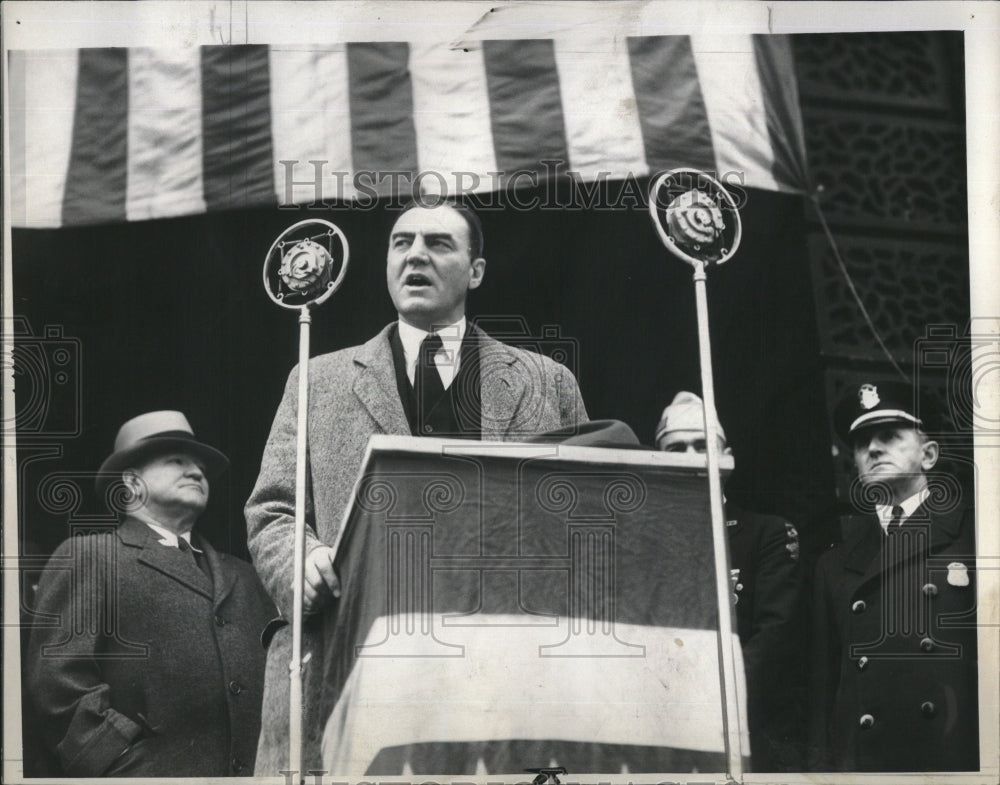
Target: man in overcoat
x=427 y=374
x=766 y=578
x=145 y=659
x=894 y=623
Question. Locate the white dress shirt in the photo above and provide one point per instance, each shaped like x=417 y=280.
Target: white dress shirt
x=446 y=359
x=169 y=539
x=884 y=511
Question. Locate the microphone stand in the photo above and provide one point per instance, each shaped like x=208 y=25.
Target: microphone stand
x=727 y=654
x=699 y=261
x=298 y=563
x=301 y=282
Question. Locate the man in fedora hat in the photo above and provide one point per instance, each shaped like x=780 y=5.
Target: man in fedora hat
x=429 y=373
x=894 y=635
x=767 y=586
x=146 y=657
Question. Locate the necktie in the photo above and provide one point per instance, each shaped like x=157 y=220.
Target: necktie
x=897 y=519
x=426 y=379
x=199 y=558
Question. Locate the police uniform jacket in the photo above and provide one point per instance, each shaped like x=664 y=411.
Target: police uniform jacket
x=894 y=661
x=767 y=587
x=142 y=666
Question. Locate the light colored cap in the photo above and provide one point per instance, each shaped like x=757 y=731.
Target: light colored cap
x=686 y=412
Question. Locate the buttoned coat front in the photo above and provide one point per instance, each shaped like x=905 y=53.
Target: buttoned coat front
x=139 y=666
x=894 y=659
x=352 y=395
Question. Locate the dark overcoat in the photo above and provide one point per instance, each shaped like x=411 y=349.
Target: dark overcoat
x=352 y=395
x=139 y=666
x=894 y=647
x=767 y=586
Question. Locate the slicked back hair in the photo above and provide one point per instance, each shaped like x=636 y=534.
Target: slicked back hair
x=476 y=241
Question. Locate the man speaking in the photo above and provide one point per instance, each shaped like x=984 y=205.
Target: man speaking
x=428 y=374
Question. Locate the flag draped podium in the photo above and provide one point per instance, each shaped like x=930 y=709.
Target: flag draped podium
x=507 y=605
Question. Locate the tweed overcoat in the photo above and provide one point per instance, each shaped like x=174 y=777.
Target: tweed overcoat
x=352 y=395
x=138 y=666
x=894 y=647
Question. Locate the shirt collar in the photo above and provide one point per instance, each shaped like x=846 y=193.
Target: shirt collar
x=168 y=537
x=884 y=511
x=411 y=337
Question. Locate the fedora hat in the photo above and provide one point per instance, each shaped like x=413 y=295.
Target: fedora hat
x=596 y=433
x=155 y=433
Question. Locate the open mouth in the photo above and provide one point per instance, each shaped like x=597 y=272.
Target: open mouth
x=417 y=279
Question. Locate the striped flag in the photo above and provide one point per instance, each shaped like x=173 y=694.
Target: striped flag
x=501 y=612
x=107 y=135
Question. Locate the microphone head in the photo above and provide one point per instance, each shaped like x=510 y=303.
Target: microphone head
x=695 y=216
x=306 y=264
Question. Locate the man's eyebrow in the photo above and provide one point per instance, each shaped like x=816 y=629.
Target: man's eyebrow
x=426 y=235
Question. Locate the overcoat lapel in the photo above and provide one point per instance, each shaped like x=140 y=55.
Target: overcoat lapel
x=223 y=579
x=865 y=551
x=503 y=387
x=136 y=534
x=375 y=384
x=944 y=528
x=862 y=543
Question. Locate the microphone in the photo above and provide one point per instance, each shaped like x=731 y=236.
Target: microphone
x=299 y=267
x=695 y=216
x=698 y=222
x=298 y=274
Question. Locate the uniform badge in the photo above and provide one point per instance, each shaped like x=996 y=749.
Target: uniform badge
x=734 y=580
x=792 y=546
x=868 y=396
x=958 y=574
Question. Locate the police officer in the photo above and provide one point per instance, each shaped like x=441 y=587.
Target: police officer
x=894 y=660
x=767 y=581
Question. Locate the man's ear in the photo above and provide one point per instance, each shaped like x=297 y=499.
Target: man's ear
x=931 y=451
x=478 y=271
x=132 y=482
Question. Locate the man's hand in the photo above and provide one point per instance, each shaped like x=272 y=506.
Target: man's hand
x=321 y=582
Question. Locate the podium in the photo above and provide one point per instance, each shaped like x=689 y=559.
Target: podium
x=509 y=605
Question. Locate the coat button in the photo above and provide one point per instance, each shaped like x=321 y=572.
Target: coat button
x=927 y=644
x=237 y=765
x=219 y=621
x=928 y=709
x=929 y=590
x=862 y=663
x=235 y=687
x=859 y=607
x=866 y=721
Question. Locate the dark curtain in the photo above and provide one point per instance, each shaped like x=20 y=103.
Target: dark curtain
x=173 y=314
